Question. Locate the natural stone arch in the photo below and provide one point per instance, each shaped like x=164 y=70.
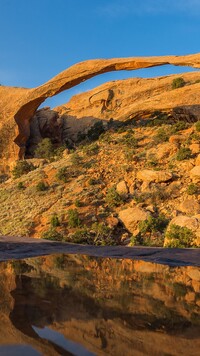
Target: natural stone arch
x=25 y=102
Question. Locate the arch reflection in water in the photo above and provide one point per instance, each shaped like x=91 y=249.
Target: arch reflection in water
x=109 y=306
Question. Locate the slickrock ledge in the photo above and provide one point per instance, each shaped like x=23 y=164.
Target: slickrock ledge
x=18 y=105
x=22 y=247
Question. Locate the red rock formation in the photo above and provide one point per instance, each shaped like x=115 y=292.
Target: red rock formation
x=18 y=105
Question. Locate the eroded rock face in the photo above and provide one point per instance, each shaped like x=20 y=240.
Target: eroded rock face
x=18 y=105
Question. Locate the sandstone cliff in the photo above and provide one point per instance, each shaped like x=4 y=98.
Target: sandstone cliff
x=18 y=105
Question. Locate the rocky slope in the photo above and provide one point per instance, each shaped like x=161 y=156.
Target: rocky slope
x=18 y=105
x=127 y=187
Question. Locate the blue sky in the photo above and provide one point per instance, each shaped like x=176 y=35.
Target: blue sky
x=40 y=38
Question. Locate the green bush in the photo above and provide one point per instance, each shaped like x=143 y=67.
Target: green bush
x=44 y=149
x=63 y=174
x=113 y=198
x=178 y=236
x=178 y=126
x=192 y=189
x=183 y=153
x=78 y=203
x=20 y=186
x=153 y=224
x=52 y=234
x=81 y=236
x=178 y=83
x=197 y=126
x=54 y=221
x=102 y=234
x=128 y=140
x=21 y=168
x=41 y=186
x=162 y=135
x=76 y=159
x=91 y=150
x=73 y=218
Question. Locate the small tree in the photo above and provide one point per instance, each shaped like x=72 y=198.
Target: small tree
x=178 y=83
x=73 y=218
x=44 y=149
x=55 y=221
x=184 y=153
x=22 y=167
x=179 y=236
x=113 y=198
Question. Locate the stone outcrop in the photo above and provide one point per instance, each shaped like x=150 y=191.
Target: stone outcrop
x=195 y=174
x=18 y=105
x=148 y=175
x=131 y=217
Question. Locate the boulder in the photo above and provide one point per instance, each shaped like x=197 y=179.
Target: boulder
x=190 y=207
x=195 y=148
x=130 y=217
x=197 y=161
x=195 y=174
x=122 y=188
x=147 y=175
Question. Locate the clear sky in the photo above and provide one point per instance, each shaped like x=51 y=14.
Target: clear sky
x=40 y=38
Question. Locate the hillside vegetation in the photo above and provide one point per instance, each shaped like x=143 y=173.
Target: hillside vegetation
x=137 y=184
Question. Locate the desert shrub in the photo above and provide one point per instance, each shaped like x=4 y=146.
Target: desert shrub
x=21 y=168
x=178 y=126
x=3 y=178
x=153 y=224
x=93 y=181
x=197 y=126
x=63 y=174
x=129 y=154
x=128 y=140
x=92 y=149
x=103 y=234
x=20 y=186
x=76 y=159
x=78 y=203
x=183 y=153
x=95 y=131
x=41 y=186
x=113 y=198
x=58 y=152
x=54 y=221
x=162 y=135
x=52 y=234
x=81 y=236
x=73 y=218
x=178 y=83
x=192 y=189
x=178 y=236
x=152 y=161
x=44 y=149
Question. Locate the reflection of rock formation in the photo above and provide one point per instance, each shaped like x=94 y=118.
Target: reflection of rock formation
x=109 y=306
x=18 y=105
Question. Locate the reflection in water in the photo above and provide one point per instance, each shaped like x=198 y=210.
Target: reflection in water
x=79 y=305
x=60 y=340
